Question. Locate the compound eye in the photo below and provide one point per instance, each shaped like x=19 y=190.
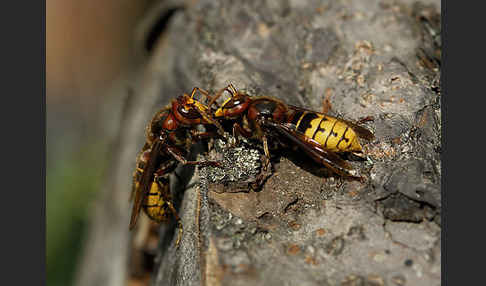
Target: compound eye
x=235 y=102
x=189 y=112
x=230 y=104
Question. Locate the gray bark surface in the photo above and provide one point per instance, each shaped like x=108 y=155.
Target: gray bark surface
x=366 y=58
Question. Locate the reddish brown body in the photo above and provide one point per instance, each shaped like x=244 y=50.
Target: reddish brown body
x=320 y=136
x=169 y=135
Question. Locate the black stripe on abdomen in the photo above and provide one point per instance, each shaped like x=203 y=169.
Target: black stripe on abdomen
x=331 y=133
x=343 y=137
x=305 y=122
x=152 y=206
x=295 y=119
x=319 y=128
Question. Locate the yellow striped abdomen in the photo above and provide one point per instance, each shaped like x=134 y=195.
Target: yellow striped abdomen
x=330 y=132
x=155 y=203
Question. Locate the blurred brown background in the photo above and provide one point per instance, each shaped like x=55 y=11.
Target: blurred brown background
x=89 y=46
